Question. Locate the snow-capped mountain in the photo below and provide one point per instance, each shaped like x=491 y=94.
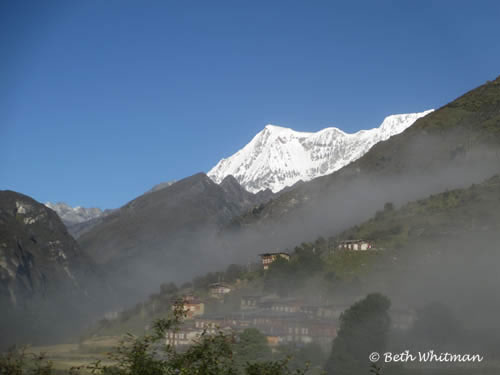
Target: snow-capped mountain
x=278 y=157
x=74 y=215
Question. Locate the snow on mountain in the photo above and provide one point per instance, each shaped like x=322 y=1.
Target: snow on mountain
x=278 y=157
x=74 y=215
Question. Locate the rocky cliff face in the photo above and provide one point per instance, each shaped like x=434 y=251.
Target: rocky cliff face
x=37 y=254
x=236 y=193
x=43 y=271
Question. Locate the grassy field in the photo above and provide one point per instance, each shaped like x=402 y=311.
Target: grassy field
x=66 y=356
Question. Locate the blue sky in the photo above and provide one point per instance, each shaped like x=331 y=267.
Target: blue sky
x=100 y=100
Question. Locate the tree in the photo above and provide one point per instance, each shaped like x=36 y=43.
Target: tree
x=389 y=206
x=168 y=288
x=364 y=329
x=436 y=327
x=278 y=276
x=233 y=272
x=252 y=347
x=299 y=354
x=211 y=354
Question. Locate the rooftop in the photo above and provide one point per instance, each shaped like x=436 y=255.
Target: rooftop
x=219 y=284
x=277 y=253
x=353 y=241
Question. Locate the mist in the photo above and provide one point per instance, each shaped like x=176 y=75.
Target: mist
x=447 y=271
x=327 y=206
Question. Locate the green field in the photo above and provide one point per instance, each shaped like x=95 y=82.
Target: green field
x=67 y=356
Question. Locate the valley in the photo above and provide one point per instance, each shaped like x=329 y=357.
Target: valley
x=405 y=235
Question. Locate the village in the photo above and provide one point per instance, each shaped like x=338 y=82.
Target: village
x=283 y=320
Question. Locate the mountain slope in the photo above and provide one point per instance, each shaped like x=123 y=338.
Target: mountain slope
x=175 y=233
x=440 y=248
x=166 y=234
x=79 y=219
x=160 y=186
x=475 y=209
x=452 y=147
x=278 y=157
x=38 y=254
x=40 y=265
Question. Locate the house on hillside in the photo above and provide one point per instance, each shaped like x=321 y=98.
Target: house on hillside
x=192 y=307
x=309 y=310
x=280 y=327
x=189 y=298
x=355 y=245
x=295 y=328
x=273 y=341
x=331 y=311
x=283 y=305
x=183 y=337
x=249 y=302
x=268 y=258
x=212 y=322
x=189 y=333
x=218 y=290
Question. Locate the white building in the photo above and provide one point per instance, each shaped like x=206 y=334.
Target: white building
x=218 y=290
x=355 y=245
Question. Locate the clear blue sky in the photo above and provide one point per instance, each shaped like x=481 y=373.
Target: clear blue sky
x=100 y=100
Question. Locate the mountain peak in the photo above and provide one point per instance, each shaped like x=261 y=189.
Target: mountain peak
x=278 y=157
x=279 y=130
x=395 y=121
x=74 y=215
x=273 y=127
x=276 y=128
